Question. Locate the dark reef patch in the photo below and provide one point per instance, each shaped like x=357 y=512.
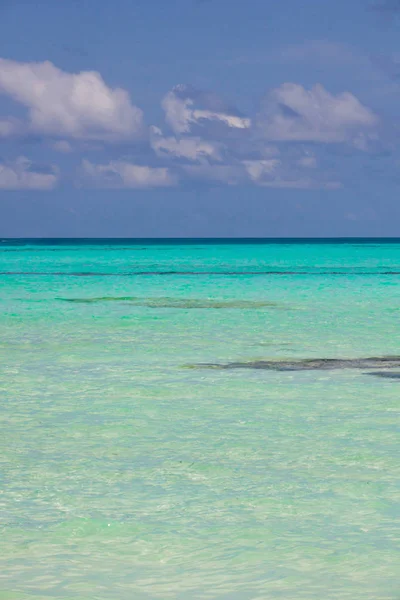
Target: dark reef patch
x=315 y=364
x=182 y=303
x=385 y=374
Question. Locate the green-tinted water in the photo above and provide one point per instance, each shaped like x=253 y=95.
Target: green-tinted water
x=130 y=471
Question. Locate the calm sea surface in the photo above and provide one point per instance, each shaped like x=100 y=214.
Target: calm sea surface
x=136 y=465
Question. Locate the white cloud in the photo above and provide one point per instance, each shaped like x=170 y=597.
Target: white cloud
x=233 y=121
x=178 y=112
x=185 y=107
x=212 y=141
x=21 y=175
x=77 y=105
x=120 y=174
x=257 y=169
x=264 y=152
x=292 y=113
x=191 y=148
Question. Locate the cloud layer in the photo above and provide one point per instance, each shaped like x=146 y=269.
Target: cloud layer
x=187 y=109
x=292 y=113
x=120 y=174
x=67 y=104
x=22 y=175
x=206 y=138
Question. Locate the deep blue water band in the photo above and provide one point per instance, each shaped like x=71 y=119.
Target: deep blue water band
x=186 y=241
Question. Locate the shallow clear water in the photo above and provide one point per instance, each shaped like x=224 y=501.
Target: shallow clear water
x=132 y=471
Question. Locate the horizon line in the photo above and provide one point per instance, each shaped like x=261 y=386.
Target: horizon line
x=205 y=240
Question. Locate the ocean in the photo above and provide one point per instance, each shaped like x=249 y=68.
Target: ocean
x=200 y=419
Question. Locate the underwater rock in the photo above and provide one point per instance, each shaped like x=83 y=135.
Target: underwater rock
x=313 y=364
x=183 y=303
x=385 y=374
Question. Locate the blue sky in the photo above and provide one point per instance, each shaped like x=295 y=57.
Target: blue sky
x=199 y=118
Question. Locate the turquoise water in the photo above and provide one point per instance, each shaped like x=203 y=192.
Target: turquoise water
x=132 y=471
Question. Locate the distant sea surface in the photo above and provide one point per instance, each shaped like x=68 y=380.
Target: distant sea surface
x=191 y=419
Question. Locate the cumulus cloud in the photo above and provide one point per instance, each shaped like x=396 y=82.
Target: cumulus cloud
x=23 y=175
x=185 y=108
x=267 y=151
x=227 y=148
x=77 y=105
x=258 y=169
x=121 y=174
x=191 y=148
x=292 y=113
x=210 y=141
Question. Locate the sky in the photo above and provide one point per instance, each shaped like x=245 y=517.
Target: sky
x=199 y=118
